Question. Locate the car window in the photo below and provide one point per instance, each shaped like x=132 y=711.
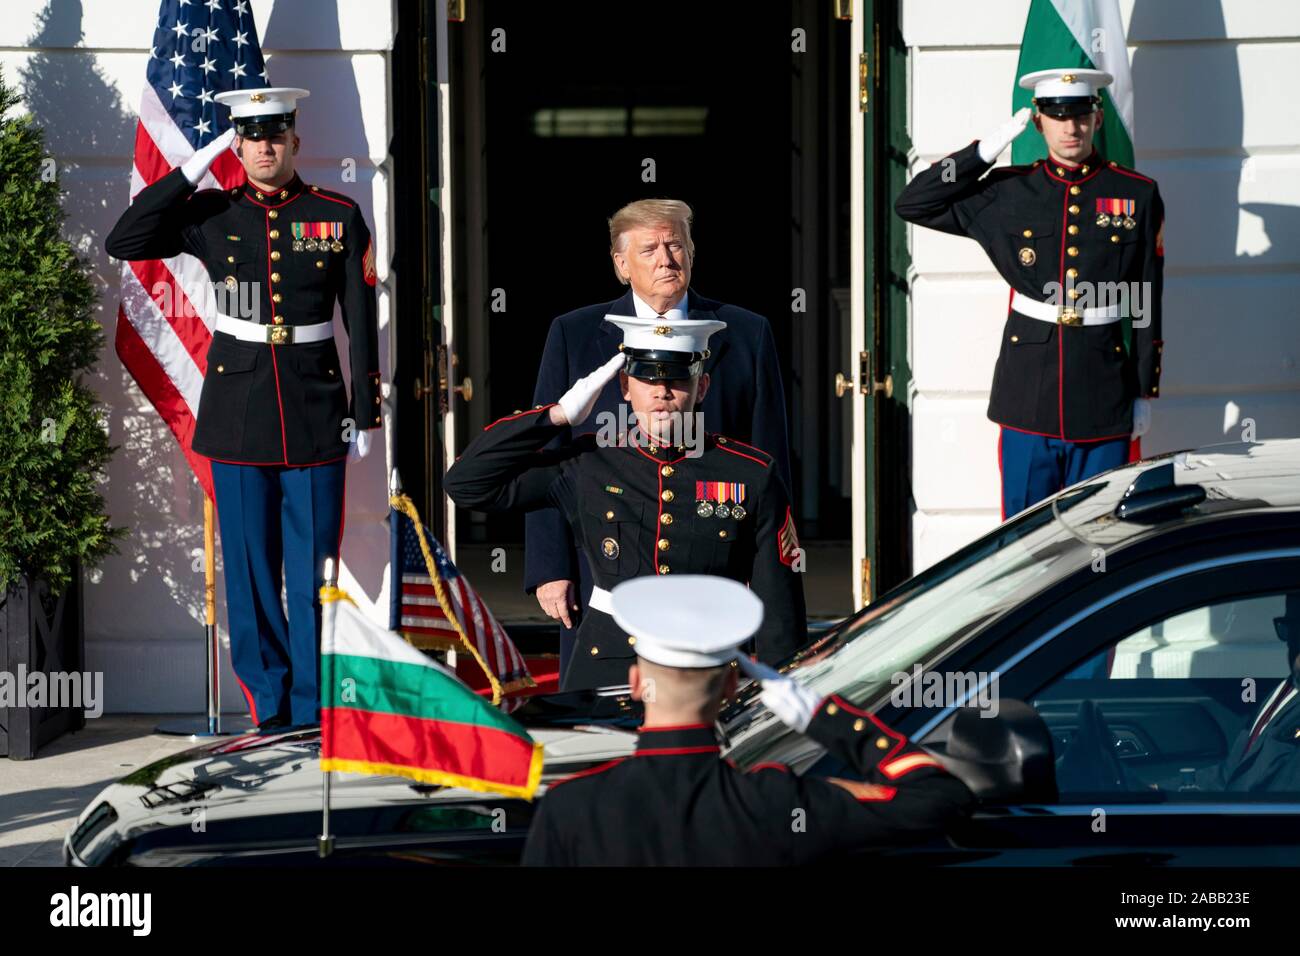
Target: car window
x=1202 y=704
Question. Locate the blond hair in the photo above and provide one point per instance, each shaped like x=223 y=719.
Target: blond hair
x=644 y=214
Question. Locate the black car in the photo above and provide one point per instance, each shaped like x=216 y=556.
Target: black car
x=1126 y=633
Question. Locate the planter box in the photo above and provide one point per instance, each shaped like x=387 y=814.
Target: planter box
x=39 y=633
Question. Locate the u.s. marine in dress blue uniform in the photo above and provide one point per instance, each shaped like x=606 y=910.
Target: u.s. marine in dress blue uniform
x=1064 y=386
x=637 y=508
x=706 y=811
x=274 y=415
x=746 y=402
x=709 y=812
x=635 y=511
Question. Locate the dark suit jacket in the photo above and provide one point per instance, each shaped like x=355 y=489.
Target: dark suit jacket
x=745 y=401
x=1273 y=764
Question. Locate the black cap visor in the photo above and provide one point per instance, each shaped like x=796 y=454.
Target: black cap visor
x=260 y=127
x=657 y=365
x=1060 y=107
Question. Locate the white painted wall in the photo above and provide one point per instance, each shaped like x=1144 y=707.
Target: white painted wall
x=1220 y=133
x=80 y=65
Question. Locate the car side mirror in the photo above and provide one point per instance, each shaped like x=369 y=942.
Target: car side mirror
x=1005 y=758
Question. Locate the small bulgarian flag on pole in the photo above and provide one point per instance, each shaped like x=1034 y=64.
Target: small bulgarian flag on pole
x=386 y=708
x=1084 y=33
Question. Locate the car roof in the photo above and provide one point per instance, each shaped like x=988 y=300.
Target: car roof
x=1237 y=478
x=1235 y=475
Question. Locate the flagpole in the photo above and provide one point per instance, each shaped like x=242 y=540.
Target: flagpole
x=325 y=842
x=210 y=612
x=210 y=724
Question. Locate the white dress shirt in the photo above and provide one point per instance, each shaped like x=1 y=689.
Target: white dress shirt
x=675 y=313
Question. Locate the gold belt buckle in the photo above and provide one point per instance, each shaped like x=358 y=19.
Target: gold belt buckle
x=279 y=334
x=1069 y=316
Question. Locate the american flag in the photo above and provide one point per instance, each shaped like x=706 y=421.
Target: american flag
x=420 y=617
x=200 y=48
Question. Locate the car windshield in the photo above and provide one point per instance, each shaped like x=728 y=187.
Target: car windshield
x=951 y=600
x=946 y=602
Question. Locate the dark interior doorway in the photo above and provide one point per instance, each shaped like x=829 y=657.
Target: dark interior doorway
x=576 y=108
x=553 y=120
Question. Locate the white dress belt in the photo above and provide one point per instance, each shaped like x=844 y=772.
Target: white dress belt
x=1047 y=312
x=247 y=331
x=601 y=600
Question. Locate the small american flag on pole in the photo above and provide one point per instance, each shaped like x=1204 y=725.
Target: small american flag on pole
x=164 y=321
x=434 y=605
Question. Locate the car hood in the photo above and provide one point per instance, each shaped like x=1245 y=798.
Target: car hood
x=274 y=775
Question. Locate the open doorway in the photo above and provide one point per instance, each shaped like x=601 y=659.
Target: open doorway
x=558 y=121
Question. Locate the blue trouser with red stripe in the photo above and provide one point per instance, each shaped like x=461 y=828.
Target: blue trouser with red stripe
x=272 y=516
x=1035 y=467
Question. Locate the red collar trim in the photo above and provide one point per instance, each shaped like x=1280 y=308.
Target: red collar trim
x=675 y=741
x=274 y=200
x=654 y=457
x=1093 y=171
x=1093 y=160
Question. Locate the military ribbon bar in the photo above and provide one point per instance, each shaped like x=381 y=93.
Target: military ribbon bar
x=1117 y=207
x=720 y=491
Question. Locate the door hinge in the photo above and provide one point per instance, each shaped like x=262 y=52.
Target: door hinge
x=866 y=581
x=867 y=384
x=864 y=74
x=444 y=399
x=843 y=9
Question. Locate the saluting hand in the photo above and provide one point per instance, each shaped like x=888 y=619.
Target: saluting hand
x=992 y=145
x=197 y=166
x=576 y=404
x=792 y=702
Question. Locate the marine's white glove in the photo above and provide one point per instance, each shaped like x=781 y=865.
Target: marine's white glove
x=792 y=702
x=992 y=145
x=197 y=166
x=359 y=447
x=576 y=404
x=1141 y=416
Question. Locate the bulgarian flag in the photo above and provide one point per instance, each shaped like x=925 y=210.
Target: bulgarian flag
x=1080 y=33
x=388 y=709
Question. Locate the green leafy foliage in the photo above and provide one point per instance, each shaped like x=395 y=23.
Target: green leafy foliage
x=53 y=446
